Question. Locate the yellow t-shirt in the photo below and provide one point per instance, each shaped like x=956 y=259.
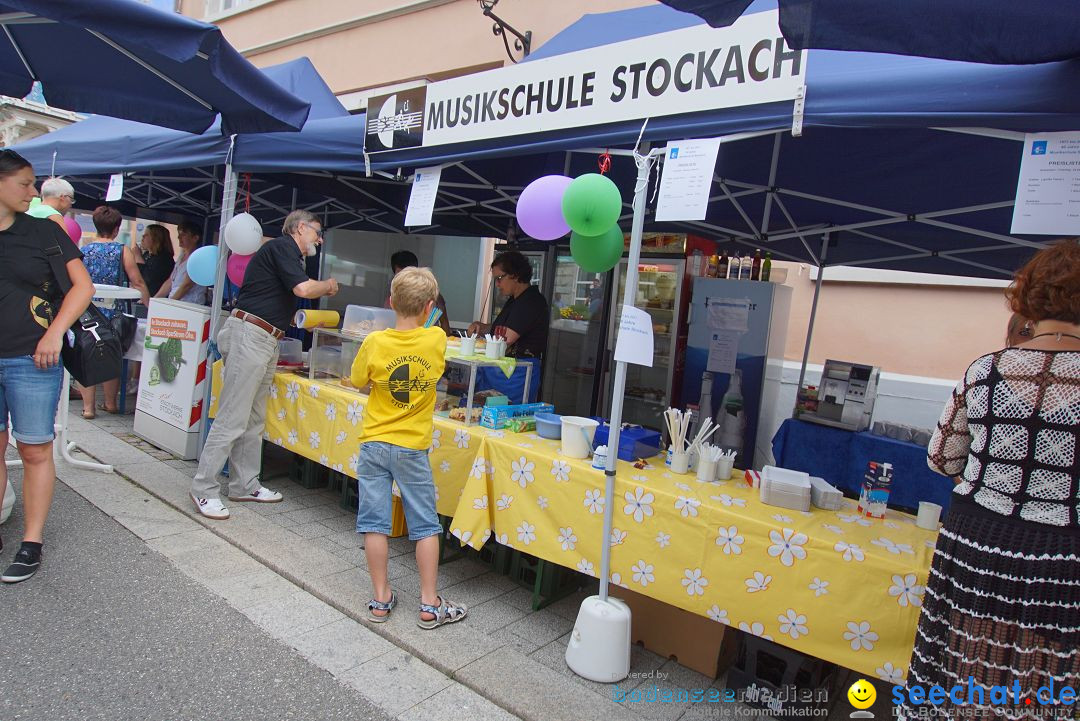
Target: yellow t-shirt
x=403 y=367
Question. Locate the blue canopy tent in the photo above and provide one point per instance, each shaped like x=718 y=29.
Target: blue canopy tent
x=885 y=161
x=999 y=31
x=125 y=59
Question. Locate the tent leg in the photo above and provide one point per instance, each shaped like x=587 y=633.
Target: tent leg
x=228 y=207
x=813 y=313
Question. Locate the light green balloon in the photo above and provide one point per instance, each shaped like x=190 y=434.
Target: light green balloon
x=598 y=253
x=591 y=204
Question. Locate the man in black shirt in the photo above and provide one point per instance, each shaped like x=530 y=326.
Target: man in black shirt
x=274 y=279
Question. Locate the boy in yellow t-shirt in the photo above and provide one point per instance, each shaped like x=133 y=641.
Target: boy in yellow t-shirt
x=403 y=364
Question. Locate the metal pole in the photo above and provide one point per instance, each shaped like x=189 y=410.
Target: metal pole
x=644 y=166
x=228 y=207
x=813 y=313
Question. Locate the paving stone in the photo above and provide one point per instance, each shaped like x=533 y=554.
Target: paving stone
x=456 y=702
x=493 y=615
x=310 y=530
x=253 y=589
x=395 y=681
x=292 y=615
x=479 y=589
x=541 y=627
x=340 y=646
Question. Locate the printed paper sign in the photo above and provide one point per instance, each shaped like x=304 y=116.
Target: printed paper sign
x=116 y=187
x=634 y=343
x=723 y=351
x=425 y=187
x=1048 y=190
x=729 y=314
x=687 y=179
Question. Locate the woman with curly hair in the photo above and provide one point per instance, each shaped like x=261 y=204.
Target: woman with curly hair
x=1002 y=604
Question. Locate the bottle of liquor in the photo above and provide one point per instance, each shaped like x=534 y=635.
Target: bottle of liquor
x=755 y=269
x=714 y=265
x=746 y=266
x=721 y=271
x=766 y=267
x=735 y=265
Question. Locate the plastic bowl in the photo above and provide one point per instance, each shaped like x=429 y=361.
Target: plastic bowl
x=548 y=425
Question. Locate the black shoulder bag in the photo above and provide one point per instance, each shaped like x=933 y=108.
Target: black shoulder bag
x=91 y=348
x=124 y=321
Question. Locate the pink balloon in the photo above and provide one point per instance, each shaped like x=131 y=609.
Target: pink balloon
x=236 y=266
x=539 y=209
x=74 y=231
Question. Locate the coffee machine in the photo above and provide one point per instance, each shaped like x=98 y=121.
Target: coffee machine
x=845 y=397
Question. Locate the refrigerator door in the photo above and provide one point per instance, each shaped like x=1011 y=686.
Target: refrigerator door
x=573 y=361
x=659 y=294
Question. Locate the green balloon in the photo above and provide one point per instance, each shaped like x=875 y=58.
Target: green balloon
x=598 y=253
x=591 y=204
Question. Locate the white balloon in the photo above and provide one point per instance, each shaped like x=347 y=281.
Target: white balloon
x=243 y=234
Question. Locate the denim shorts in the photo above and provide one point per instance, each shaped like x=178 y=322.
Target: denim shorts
x=30 y=396
x=380 y=465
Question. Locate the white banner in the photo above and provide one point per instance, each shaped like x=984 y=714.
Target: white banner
x=681 y=71
x=1048 y=189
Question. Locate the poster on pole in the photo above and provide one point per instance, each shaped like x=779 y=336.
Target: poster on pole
x=686 y=179
x=116 y=188
x=634 y=344
x=1048 y=190
x=425 y=187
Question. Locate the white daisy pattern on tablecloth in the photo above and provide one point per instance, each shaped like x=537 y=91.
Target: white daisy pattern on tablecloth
x=852 y=518
x=694 y=582
x=638 y=504
x=480 y=503
x=890 y=674
x=729 y=540
x=893 y=526
x=301 y=413
x=819 y=587
x=444 y=466
x=340 y=468
x=324 y=461
x=717 y=614
x=683 y=487
x=292 y=391
x=463 y=536
x=860 y=636
x=586 y=567
x=354 y=413
x=341 y=437
x=756 y=628
x=503 y=502
x=793 y=623
x=616 y=579
x=354 y=461
x=781 y=518
x=522 y=471
x=436 y=440
x=281 y=414
x=787 y=545
x=759 y=582
x=617 y=537
x=906 y=590
x=561 y=470
x=643 y=573
x=542 y=501
x=891 y=547
x=728 y=500
x=833 y=529
x=930 y=544
x=594 y=500
x=850 y=551
x=526 y=532
x=331 y=411
x=314 y=439
x=479 y=468
x=462 y=438
x=294 y=437
x=687 y=506
x=567 y=539
x=502 y=539
x=313 y=390
x=273 y=391
x=525 y=445
x=663 y=539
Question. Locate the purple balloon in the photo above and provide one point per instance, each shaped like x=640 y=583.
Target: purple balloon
x=539 y=209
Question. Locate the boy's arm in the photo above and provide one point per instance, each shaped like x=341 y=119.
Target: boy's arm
x=360 y=376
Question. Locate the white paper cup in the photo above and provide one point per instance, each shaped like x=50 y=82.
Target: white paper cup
x=706 y=470
x=680 y=462
x=468 y=346
x=929 y=516
x=724 y=467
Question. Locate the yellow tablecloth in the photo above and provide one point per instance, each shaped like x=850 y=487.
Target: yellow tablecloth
x=831 y=584
x=321 y=421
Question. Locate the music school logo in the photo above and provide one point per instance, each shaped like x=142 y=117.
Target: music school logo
x=409 y=375
x=395 y=121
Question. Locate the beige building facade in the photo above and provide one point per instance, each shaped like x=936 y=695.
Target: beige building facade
x=907 y=324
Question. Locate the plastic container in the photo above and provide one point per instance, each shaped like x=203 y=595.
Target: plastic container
x=290 y=352
x=634 y=442
x=548 y=425
x=577 y=436
x=363 y=319
x=327 y=362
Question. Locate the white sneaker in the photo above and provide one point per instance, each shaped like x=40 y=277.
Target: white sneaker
x=261 y=495
x=211 y=508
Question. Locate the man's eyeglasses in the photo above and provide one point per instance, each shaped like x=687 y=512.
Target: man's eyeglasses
x=499 y=278
x=318 y=231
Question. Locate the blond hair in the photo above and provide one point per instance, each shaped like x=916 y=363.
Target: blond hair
x=412 y=289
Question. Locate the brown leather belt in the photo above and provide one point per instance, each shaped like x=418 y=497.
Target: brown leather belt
x=258 y=323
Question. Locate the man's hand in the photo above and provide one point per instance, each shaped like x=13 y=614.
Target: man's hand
x=47 y=353
x=333 y=286
x=477 y=327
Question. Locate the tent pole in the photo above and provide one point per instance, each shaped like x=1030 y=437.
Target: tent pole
x=228 y=207
x=813 y=313
x=644 y=167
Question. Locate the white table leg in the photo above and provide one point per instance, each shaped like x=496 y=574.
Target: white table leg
x=67 y=448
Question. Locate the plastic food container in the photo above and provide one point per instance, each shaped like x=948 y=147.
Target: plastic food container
x=290 y=352
x=548 y=425
x=363 y=319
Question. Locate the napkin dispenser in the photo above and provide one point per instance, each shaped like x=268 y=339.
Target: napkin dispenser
x=785 y=488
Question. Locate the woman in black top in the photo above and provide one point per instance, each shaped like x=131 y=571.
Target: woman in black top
x=156 y=259
x=30 y=372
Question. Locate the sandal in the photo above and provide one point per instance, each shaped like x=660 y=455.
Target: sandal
x=89 y=416
x=376 y=605
x=445 y=612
